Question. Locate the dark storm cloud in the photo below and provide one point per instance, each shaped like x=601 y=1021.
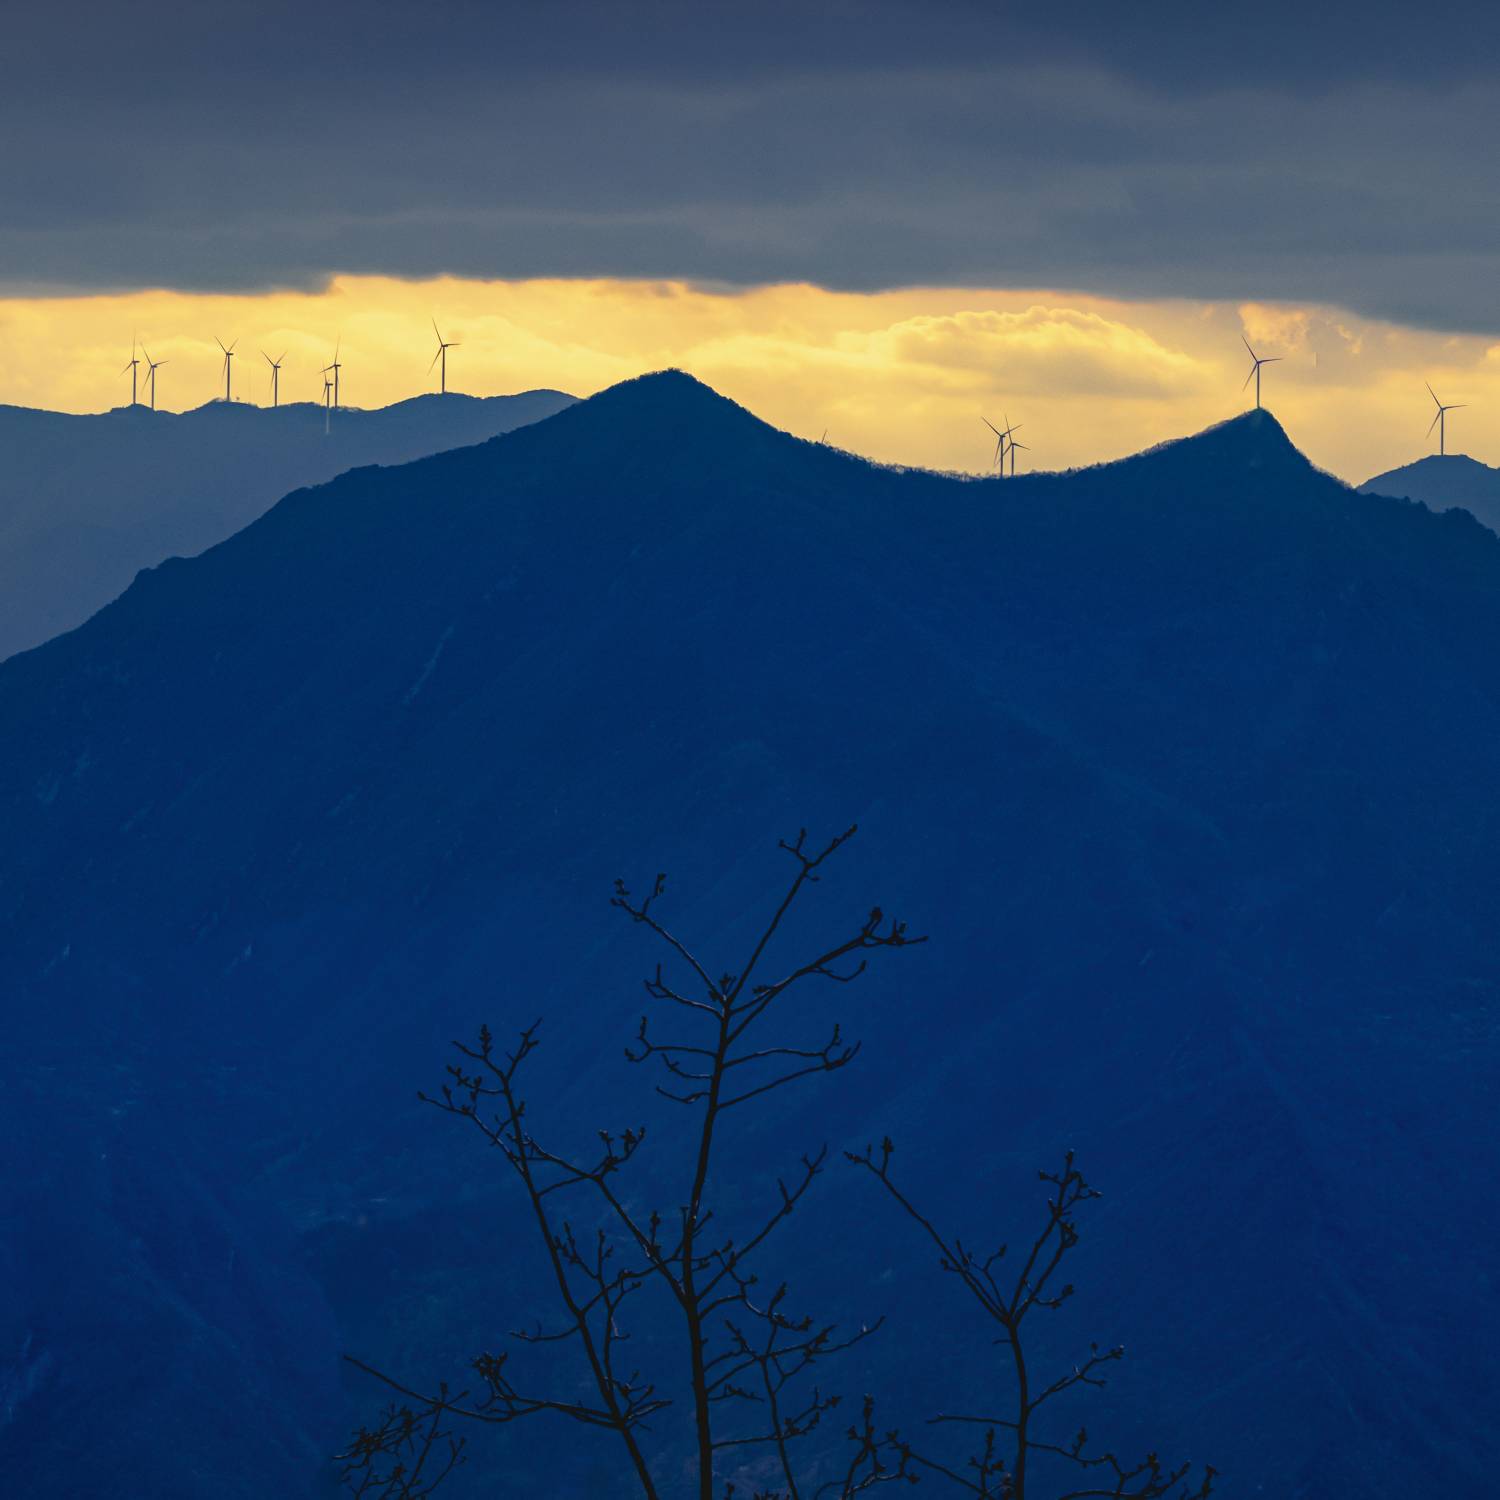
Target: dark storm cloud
x=1349 y=155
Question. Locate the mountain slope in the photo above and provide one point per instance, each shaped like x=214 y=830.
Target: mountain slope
x=1441 y=483
x=1183 y=762
x=87 y=501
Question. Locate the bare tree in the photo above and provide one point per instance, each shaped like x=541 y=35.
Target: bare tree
x=749 y=1357
x=1004 y=1468
x=406 y=1455
x=743 y=1374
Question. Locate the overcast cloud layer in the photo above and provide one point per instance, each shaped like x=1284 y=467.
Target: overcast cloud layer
x=1348 y=156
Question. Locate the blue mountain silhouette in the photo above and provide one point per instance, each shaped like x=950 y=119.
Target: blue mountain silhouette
x=1184 y=763
x=1443 y=483
x=87 y=501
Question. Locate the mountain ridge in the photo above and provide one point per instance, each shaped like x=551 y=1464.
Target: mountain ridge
x=87 y=500
x=141 y=411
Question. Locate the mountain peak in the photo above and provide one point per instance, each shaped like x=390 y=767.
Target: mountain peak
x=1251 y=440
x=1256 y=430
x=1443 y=467
x=1444 y=481
x=666 y=412
x=671 y=395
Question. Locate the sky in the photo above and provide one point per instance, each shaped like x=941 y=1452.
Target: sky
x=870 y=215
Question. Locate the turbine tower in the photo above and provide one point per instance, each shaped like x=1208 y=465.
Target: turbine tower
x=1256 y=363
x=442 y=354
x=327 y=387
x=132 y=366
x=335 y=367
x=1438 y=422
x=275 y=365
x=152 y=366
x=228 y=355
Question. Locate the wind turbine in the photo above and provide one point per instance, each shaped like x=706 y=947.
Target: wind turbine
x=1001 y=440
x=442 y=354
x=327 y=386
x=1013 y=446
x=335 y=367
x=275 y=365
x=132 y=367
x=152 y=366
x=1257 y=362
x=228 y=355
x=1438 y=422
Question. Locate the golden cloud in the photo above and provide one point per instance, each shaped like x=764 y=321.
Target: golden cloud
x=1052 y=350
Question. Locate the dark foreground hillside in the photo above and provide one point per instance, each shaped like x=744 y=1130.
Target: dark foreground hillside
x=87 y=501
x=1185 y=763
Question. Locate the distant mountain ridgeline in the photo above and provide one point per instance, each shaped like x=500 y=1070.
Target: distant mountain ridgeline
x=1185 y=765
x=87 y=501
x=1443 y=483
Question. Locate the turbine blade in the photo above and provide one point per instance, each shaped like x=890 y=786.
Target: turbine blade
x=1250 y=376
x=1433 y=423
x=991 y=426
x=1459 y=407
x=220 y=343
x=1274 y=359
x=1433 y=394
x=1246 y=343
x=435 y=358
